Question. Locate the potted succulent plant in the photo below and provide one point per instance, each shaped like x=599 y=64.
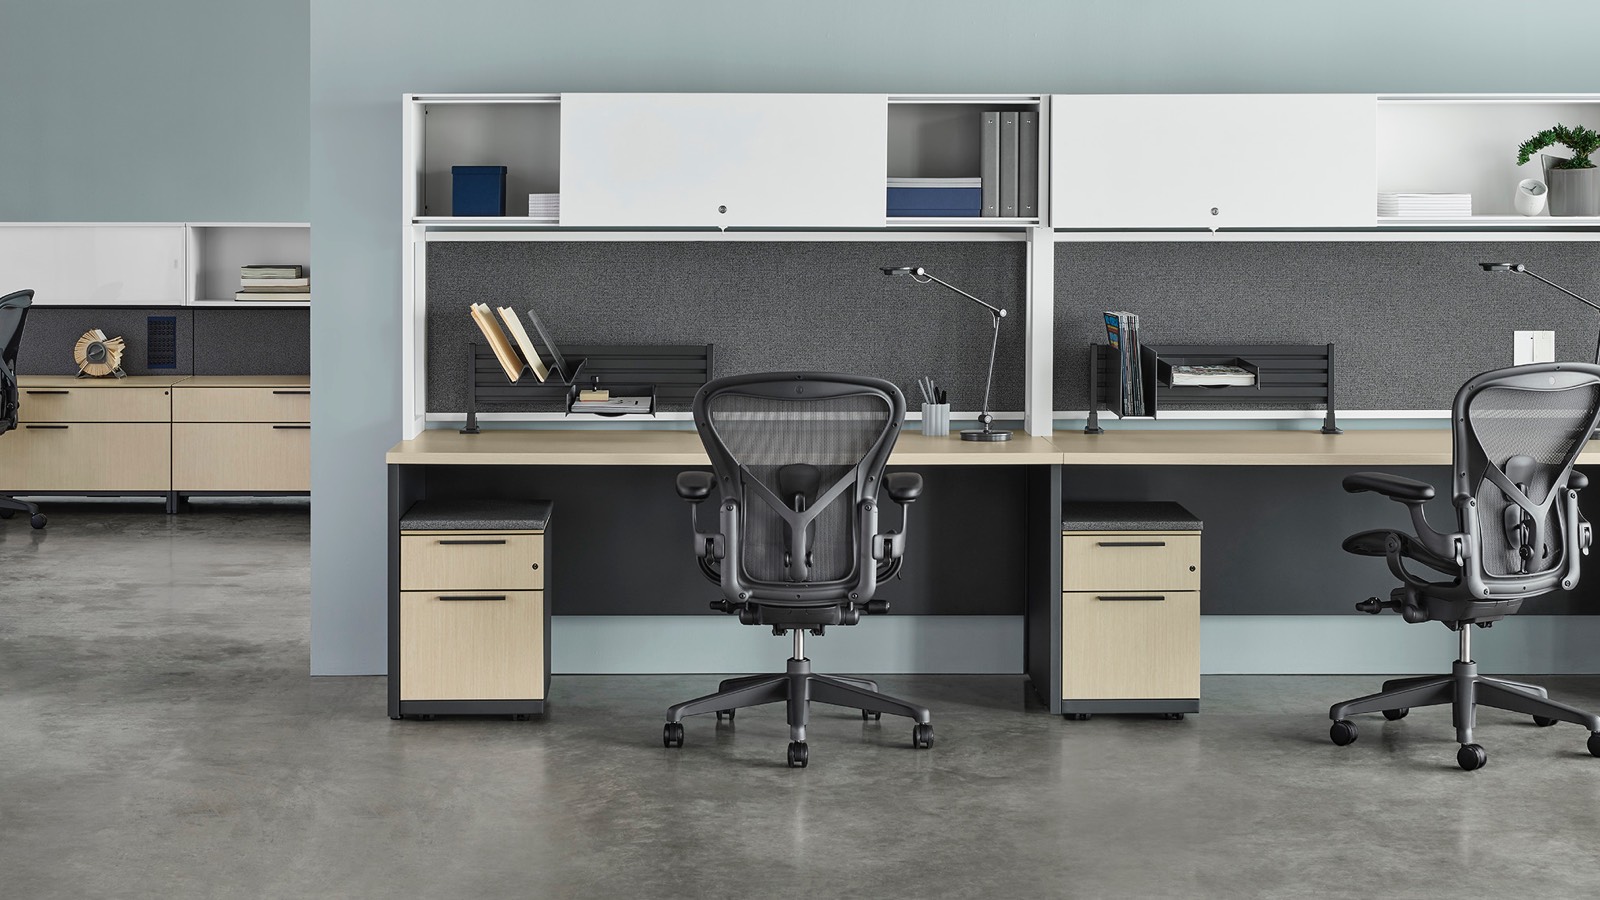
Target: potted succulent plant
x=1574 y=183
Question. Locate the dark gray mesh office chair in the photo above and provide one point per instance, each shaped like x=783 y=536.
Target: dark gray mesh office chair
x=13 y=313
x=1516 y=434
x=798 y=461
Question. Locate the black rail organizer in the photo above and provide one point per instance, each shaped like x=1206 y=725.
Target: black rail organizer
x=1286 y=375
x=662 y=372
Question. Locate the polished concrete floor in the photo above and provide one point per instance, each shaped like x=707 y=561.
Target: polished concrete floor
x=159 y=737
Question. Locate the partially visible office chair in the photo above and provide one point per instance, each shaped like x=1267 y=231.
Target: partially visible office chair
x=1516 y=434
x=13 y=313
x=798 y=460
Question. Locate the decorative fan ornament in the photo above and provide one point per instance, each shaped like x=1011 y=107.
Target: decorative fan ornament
x=98 y=355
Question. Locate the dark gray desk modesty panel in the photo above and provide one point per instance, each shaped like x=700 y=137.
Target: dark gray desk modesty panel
x=779 y=305
x=1273 y=533
x=624 y=546
x=1411 y=321
x=211 y=341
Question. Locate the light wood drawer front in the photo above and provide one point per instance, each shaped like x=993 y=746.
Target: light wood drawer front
x=461 y=645
x=1126 y=646
x=97 y=404
x=455 y=562
x=245 y=456
x=96 y=456
x=1131 y=561
x=241 y=404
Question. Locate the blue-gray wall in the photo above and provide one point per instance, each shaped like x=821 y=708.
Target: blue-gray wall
x=154 y=110
x=366 y=53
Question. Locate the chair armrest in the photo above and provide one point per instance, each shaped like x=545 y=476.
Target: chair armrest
x=1395 y=487
x=1577 y=480
x=903 y=487
x=695 y=486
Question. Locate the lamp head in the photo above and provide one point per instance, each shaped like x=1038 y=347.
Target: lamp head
x=914 y=271
x=1502 y=267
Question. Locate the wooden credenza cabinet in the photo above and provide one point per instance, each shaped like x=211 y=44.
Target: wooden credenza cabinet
x=241 y=435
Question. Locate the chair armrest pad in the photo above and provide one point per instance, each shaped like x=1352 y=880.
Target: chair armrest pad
x=1395 y=487
x=1577 y=480
x=695 y=486
x=903 y=487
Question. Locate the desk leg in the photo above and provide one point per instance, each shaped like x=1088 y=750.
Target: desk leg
x=1042 y=622
x=405 y=488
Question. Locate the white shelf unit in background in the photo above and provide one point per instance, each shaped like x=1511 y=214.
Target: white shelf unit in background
x=519 y=131
x=933 y=136
x=1460 y=143
x=216 y=251
x=95 y=263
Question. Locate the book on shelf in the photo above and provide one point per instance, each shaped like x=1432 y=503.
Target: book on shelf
x=268 y=285
x=294 y=296
x=935 y=197
x=989 y=162
x=1122 y=333
x=520 y=335
x=272 y=271
x=1207 y=376
x=503 y=351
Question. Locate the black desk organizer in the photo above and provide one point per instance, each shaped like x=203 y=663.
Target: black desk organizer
x=662 y=372
x=1286 y=374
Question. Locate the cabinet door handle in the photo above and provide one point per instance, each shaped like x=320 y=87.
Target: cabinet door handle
x=290 y=427
x=49 y=427
x=474 y=541
x=297 y=393
x=475 y=597
x=1131 y=544
x=1149 y=598
x=32 y=393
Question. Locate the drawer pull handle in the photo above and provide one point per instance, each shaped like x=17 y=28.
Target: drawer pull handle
x=475 y=541
x=1149 y=598
x=296 y=393
x=35 y=393
x=291 y=427
x=476 y=597
x=1131 y=544
x=51 y=427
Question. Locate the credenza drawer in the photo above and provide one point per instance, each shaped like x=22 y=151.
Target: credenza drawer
x=441 y=561
x=472 y=645
x=97 y=404
x=247 y=404
x=1130 y=561
x=93 y=456
x=243 y=456
x=1118 y=645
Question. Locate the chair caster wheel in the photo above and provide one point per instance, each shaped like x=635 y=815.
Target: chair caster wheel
x=725 y=712
x=1395 y=715
x=1543 y=722
x=38 y=520
x=798 y=755
x=520 y=717
x=1077 y=717
x=869 y=716
x=1343 y=732
x=1174 y=717
x=1594 y=744
x=1472 y=756
x=672 y=735
x=922 y=736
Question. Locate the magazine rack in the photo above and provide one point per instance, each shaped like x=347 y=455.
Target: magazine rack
x=662 y=372
x=1286 y=375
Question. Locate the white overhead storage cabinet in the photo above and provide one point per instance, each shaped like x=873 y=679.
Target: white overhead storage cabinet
x=103 y=265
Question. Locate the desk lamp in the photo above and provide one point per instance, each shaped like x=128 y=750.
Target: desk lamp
x=1519 y=267
x=986 y=433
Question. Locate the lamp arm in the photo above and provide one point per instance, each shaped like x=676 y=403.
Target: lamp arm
x=997 y=311
x=994 y=344
x=1578 y=297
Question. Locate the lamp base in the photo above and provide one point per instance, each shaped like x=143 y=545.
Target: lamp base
x=988 y=436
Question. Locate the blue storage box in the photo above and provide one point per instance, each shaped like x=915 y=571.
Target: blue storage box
x=935 y=201
x=477 y=190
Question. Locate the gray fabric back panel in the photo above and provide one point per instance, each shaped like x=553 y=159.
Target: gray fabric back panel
x=767 y=306
x=210 y=341
x=1410 y=321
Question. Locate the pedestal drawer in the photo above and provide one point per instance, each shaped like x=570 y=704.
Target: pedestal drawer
x=242 y=456
x=438 y=561
x=251 y=404
x=110 y=403
x=92 y=456
x=478 y=645
x=1131 y=561
x=1127 y=645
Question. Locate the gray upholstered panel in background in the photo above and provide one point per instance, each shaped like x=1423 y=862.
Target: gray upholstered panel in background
x=1411 y=321
x=210 y=341
x=766 y=306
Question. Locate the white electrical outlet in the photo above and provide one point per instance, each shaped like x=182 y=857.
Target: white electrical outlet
x=1534 y=347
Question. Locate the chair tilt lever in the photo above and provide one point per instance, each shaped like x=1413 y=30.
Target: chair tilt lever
x=1374 y=606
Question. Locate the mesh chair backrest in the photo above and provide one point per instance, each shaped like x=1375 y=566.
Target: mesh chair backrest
x=13 y=313
x=1518 y=433
x=763 y=431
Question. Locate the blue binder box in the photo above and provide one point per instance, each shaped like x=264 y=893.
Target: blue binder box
x=477 y=190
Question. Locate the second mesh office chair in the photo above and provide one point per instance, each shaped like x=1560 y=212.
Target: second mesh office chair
x=1516 y=434
x=798 y=460
x=13 y=313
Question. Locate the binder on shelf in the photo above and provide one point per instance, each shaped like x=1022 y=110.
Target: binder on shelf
x=1008 y=165
x=989 y=162
x=1028 y=165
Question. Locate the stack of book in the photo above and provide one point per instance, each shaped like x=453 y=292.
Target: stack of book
x=1009 y=164
x=1122 y=332
x=544 y=206
x=918 y=197
x=1424 y=206
x=280 y=284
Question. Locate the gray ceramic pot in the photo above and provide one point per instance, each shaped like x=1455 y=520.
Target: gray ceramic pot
x=1573 y=192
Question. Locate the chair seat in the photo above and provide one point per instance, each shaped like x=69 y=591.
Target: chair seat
x=1375 y=543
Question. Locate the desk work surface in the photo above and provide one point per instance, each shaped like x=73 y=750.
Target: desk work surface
x=593 y=447
x=246 y=381
x=1392 y=447
x=58 y=382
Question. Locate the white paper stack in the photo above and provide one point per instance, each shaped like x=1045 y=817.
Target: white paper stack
x=1424 y=206
x=544 y=206
x=936 y=182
